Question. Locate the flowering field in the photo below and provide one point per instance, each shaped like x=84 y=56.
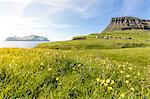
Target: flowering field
x=87 y=74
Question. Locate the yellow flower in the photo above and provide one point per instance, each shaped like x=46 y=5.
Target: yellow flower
x=109 y=88
x=57 y=78
x=97 y=79
x=130 y=68
x=121 y=72
x=79 y=65
x=122 y=95
x=138 y=74
x=127 y=75
x=112 y=82
x=126 y=81
x=102 y=81
x=119 y=66
x=108 y=80
x=49 y=69
x=105 y=84
x=42 y=64
x=132 y=89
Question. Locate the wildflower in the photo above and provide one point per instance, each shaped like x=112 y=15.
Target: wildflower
x=108 y=80
x=130 y=68
x=132 y=89
x=127 y=75
x=49 y=69
x=105 y=84
x=127 y=81
x=79 y=65
x=13 y=61
x=42 y=64
x=122 y=95
x=109 y=88
x=121 y=72
x=112 y=82
x=138 y=74
x=97 y=79
x=119 y=66
x=57 y=78
x=102 y=81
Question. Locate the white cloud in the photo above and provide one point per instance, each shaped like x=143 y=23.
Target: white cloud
x=130 y=7
x=79 y=6
x=14 y=7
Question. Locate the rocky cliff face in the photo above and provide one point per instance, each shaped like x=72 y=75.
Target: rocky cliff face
x=128 y=23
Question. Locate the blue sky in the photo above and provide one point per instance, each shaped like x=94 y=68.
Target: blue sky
x=63 y=19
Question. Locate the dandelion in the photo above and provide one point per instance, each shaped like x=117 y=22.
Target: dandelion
x=108 y=80
x=57 y=78
x=109 y=88
x=121 y=72
x=127 y=81
x=122 y=95
x=132 y=89
x=138 y=74
x=49 y=69
x=130 y=68
x=119 y=66
x=79 y=65
x=105 y=84
x=102 y=81
x=112 y=82
x=97 y=79
x=127 y=75
x=42 y=64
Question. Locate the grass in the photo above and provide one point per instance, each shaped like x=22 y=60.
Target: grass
x=88 y=67
x=84 y=74
x=139 y=39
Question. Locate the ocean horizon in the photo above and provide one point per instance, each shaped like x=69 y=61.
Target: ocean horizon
x=20 y=44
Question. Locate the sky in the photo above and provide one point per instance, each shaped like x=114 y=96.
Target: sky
x=63 y=19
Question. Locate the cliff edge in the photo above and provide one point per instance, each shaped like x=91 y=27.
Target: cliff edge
x=128 y=23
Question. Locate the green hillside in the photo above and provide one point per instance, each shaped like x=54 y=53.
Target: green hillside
x=119 y=39
x=82 y=68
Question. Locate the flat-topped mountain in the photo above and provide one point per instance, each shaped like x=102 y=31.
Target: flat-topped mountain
x=27 y=38
x=128 y=23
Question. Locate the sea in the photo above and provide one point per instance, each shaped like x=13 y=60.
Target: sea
x=20 y=44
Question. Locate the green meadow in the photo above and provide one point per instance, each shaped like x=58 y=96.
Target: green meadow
x=139 y=38
x=90 y=68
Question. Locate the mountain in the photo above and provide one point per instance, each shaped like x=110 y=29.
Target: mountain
x=128 y=23
x=27 y=38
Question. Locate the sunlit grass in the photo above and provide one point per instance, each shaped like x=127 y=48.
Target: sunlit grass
x=139 y=38
x=44 y=73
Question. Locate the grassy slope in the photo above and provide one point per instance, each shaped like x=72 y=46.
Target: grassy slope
x=83 y=74
x=139 y=39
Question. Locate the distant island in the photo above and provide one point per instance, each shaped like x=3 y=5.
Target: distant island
x=27 y=38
